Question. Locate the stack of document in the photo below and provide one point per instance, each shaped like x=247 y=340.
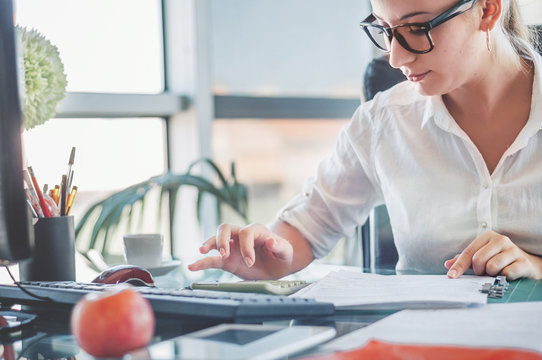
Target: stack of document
x=512 y=325
x=362 y=291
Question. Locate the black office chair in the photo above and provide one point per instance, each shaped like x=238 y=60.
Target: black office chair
x=379 y=76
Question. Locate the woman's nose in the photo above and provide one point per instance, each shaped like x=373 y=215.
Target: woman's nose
x=398 y=55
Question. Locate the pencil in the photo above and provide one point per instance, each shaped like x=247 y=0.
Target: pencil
x=43 y=204
x=71 y=198
x=56 y=194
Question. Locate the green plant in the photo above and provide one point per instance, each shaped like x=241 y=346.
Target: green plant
x=105 y=216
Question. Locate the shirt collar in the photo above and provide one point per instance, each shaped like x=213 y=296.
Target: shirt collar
x=436 y=110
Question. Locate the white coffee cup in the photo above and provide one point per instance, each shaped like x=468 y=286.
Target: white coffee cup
x=143 y=250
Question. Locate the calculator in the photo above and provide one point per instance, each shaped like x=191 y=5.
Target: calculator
x=274 y=287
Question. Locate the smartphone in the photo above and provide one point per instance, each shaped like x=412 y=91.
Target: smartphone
x=238 y=341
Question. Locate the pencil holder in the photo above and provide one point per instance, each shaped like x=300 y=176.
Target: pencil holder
x=54 y=251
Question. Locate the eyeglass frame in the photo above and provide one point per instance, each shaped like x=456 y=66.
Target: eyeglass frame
x=424 y=26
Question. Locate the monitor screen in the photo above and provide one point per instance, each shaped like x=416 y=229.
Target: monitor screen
x=16 y=236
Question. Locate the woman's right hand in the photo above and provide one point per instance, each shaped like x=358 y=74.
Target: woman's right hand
x=250 y=252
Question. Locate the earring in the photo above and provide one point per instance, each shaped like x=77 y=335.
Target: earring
x=488 y=40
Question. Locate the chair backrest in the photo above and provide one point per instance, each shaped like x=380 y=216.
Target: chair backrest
x=380 y=252
x=380 y=76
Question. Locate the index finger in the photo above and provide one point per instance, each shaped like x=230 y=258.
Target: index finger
x=464 y=261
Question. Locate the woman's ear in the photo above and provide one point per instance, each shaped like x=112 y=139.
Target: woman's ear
x=491 y=12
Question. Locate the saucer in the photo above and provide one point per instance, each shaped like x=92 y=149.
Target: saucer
x=166 y=267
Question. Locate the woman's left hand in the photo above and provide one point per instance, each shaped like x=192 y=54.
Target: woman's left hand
x=495 y=254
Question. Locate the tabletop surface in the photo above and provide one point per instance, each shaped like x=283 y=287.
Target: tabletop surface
x=51 y=336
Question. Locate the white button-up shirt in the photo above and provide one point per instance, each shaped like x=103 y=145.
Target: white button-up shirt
x=405 y=150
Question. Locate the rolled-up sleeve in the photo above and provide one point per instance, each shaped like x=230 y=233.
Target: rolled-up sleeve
x=341 y=194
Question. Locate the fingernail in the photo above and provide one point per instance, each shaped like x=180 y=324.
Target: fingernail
x=248 y=261
x=452 y=273
x=222 y=252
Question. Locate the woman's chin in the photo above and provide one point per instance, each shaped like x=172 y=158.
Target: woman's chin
x=426 y=89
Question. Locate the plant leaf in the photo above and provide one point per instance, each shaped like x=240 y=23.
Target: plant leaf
x=120 y=206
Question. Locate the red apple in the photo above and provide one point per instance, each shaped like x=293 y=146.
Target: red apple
x=111 y=323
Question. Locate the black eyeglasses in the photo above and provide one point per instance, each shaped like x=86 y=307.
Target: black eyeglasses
x=414 y=37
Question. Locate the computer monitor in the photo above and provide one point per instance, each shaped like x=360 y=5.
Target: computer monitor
x=16 y=235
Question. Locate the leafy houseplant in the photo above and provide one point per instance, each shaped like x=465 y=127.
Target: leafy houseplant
x=103 y=217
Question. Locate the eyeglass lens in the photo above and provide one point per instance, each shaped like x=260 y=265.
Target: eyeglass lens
x=410 y=36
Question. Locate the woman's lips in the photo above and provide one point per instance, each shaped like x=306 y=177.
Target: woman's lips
x=417 y=77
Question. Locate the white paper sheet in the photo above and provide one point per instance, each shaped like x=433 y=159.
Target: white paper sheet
x=357 y=290
x=512 y=325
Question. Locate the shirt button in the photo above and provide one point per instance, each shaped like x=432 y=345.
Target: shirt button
x=485 y=185
x=307 y=194
x=484 y=225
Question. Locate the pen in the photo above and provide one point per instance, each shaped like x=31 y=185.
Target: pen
x=33 y=200
x=43 y=204
x=29 y=185
x=51 y=206
x=31 y=194
x=34 y=213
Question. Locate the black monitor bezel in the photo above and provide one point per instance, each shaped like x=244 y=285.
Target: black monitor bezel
x=16 y=236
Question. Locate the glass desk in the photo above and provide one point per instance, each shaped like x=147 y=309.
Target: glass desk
x=50 y=337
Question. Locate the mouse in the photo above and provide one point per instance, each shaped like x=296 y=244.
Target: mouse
x=131 y=274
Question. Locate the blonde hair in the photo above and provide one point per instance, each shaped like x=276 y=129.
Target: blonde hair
x=518 y=38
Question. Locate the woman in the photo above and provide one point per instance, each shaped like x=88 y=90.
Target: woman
x=454 y=153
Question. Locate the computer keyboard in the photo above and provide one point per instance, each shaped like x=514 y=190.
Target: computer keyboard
x=184 y=303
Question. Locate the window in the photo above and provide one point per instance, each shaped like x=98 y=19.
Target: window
x=111 y=153
x=107 y=46
x=288 y=47
x=114 y=113
x=286 y=76
x=297 y=71
x=273 y=157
